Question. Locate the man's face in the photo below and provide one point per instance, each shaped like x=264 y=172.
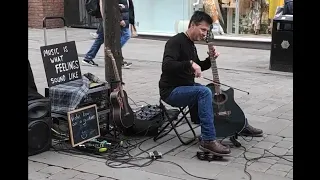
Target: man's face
x=199 y=31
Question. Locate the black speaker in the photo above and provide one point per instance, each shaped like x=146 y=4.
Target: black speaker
x=39 y=125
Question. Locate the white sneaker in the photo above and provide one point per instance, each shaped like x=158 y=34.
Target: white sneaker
x=94 y=35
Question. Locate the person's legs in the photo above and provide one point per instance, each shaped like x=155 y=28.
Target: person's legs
x=190 y=95
x=91 y=54
x=124 y=37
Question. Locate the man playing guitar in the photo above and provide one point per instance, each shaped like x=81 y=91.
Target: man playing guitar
x=180 y=66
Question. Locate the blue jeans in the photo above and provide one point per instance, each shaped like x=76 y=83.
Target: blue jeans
x=91 y=54
x=190 y=95
x=124 y=37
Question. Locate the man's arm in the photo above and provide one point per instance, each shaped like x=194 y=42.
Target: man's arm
x=171 y=54
x=205 y=65
x=101 y=9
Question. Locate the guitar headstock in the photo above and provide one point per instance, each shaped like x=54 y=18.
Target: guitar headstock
x=209 y=36
x=109 y=52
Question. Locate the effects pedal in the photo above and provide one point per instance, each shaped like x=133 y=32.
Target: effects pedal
x=207 y=156
x=155 y=155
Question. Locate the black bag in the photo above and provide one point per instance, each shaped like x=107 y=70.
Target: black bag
x=93 y=8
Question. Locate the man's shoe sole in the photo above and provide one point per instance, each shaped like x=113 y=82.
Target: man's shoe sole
x=212 y=152
x=85 y=62
x=251 y=135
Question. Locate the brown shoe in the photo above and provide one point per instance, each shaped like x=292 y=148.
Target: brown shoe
x=214 y=147
x=251 y=131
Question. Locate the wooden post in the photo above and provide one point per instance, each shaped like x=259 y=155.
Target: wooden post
x=111 y=30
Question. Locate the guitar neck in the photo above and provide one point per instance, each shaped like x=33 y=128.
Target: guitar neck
x=214 y=68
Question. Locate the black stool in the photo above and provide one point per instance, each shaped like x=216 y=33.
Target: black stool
x=174 y=114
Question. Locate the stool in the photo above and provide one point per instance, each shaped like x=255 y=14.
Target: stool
x=170 y=121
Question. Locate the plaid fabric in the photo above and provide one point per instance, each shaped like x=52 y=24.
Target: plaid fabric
x=66 y=97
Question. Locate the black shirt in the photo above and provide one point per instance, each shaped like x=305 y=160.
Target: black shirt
x=176 y=66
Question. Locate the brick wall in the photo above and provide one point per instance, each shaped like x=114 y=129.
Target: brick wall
x=38 y=9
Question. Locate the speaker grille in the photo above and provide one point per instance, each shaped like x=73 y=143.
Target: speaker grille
x=39 y=134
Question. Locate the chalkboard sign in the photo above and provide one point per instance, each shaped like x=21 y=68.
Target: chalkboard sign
x=83 y=124
x=61 y=63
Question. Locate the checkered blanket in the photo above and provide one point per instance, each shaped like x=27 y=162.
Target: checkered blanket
x=66 y=97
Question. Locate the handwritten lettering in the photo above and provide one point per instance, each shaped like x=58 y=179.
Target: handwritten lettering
x=58 y=79
x=56 y=59
x=73 y=76
x=65 y=48
x=63 y=67
x=51 y=52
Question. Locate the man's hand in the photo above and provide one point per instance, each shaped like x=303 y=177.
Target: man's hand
x=213 y=53
x=121 y=6
x=122 y=23
x=197 y=69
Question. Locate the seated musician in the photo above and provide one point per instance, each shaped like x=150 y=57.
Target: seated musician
x=177 y=86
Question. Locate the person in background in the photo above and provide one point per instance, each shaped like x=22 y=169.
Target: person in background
x=99 y=40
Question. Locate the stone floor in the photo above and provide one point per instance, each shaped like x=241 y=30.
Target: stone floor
x=269 y=107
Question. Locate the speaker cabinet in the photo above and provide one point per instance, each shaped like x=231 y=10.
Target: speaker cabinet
x=39 y=126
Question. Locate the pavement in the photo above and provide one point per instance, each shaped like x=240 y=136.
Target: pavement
x=269 y=106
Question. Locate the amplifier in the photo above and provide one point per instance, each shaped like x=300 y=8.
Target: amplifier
x=39 y=126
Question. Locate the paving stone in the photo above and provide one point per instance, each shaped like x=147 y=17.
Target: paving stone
x=186 y=154
x=284 y=144
x=104 y=178
x=256 y=150
x=278 y=173
x=273 y=139
x=37 y=175
x=268 y=160
x=224 y=162
x=264 y=145
x=240 y=160
x=51 y=170
x=238 y=174
x=290 y=174
x=287 y=132
x=281 y=167
x=65 y=174
x=35 y=166
x=283 y=161
x=87 y=176
x=236 y=152
x=288 y=139
x=58 y=159
x=236 y=165
x=259 y=166
x=278 y=151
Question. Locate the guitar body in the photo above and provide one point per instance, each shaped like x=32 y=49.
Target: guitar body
x=118 y=114
x=228 y=116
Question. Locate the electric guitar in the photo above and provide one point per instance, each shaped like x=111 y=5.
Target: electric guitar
x=122 y=113
x=229 y=119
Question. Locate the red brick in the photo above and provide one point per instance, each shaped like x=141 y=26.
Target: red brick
x=38 y=9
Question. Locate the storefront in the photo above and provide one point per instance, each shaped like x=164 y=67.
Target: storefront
x=232 y=17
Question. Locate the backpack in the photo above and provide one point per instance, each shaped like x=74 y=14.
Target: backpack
x=93 y=8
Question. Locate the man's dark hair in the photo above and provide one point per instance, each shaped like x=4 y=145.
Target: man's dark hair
x=198 y=17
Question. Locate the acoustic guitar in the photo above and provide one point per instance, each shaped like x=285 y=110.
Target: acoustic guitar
x=229 y=118
x=122 y=113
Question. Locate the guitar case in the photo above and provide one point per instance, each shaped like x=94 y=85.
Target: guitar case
x=147 y=121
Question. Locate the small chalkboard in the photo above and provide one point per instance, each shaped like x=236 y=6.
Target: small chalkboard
x=61 y=63
x=83 y=125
